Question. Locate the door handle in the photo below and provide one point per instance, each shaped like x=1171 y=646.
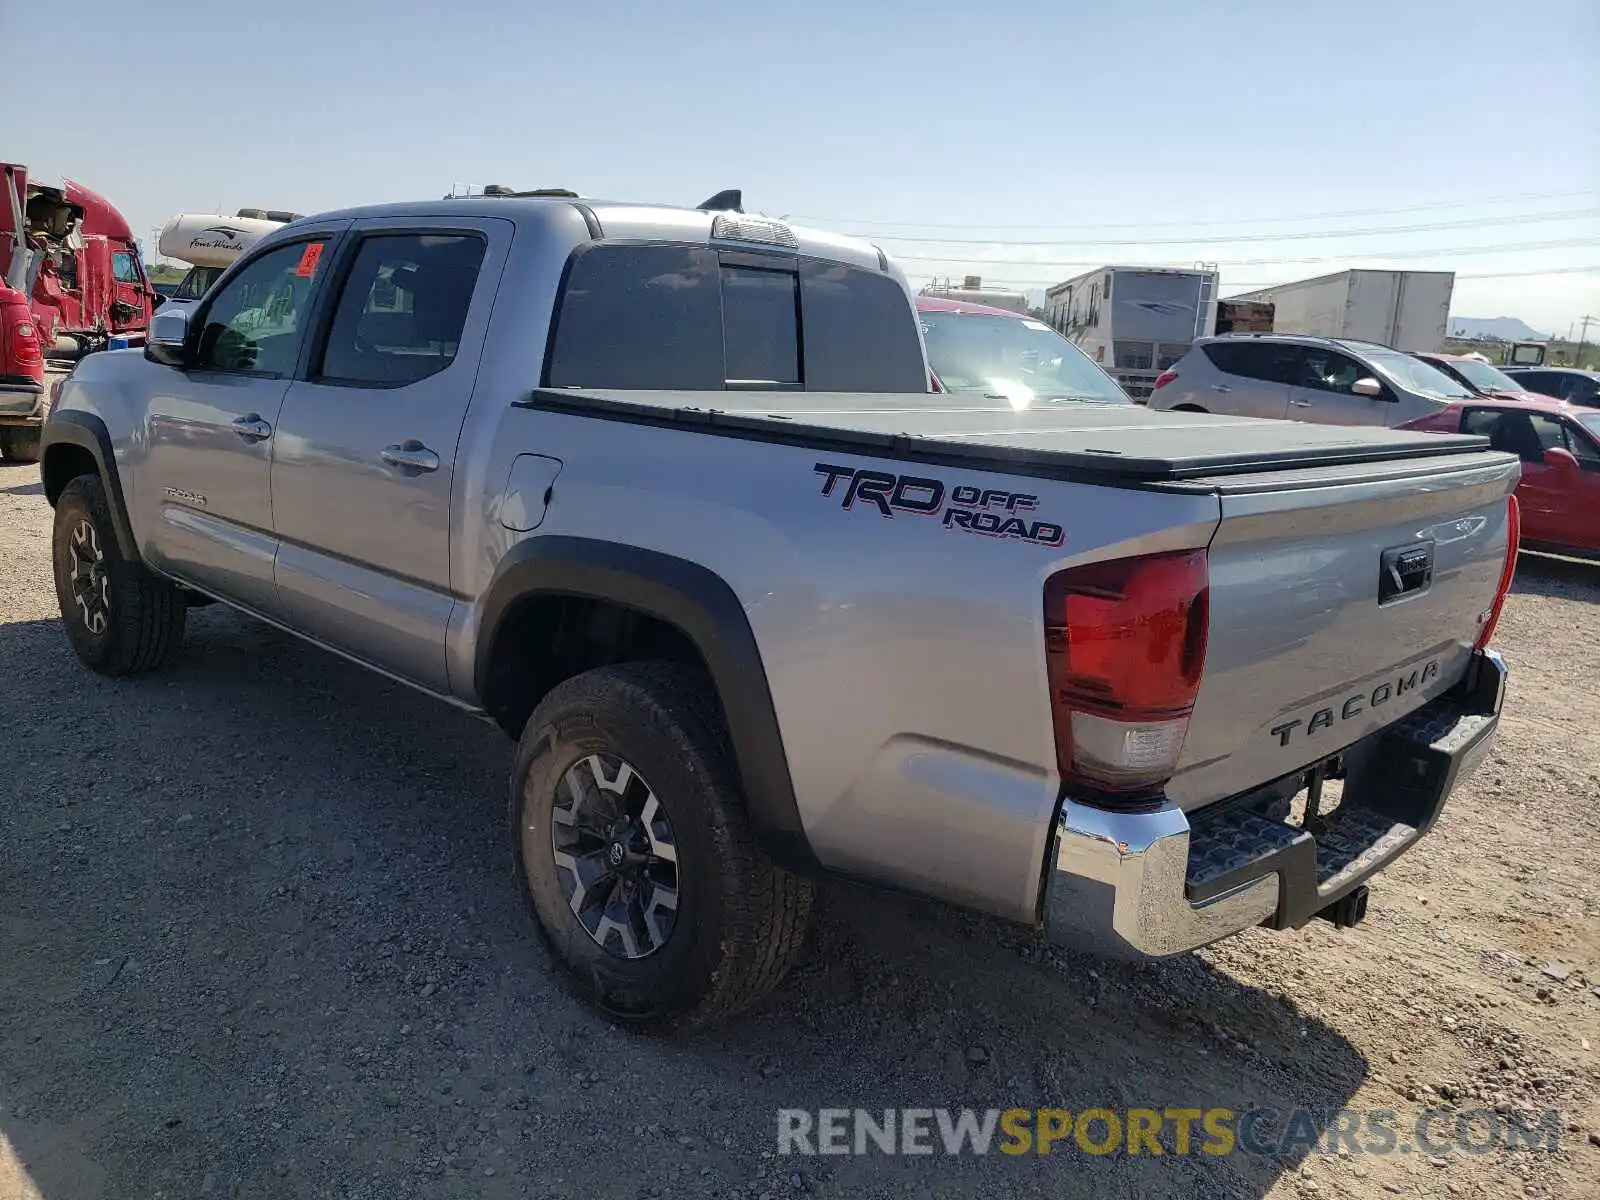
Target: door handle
x=252 y=428
x=1299 y=404
x=411 y=455
x=1220 y=387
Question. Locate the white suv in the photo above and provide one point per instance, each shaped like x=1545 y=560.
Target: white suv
x=1328 y=381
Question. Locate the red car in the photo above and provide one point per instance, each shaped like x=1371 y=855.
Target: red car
x=977 y=350
x=1484 y=378
x=1559 y=445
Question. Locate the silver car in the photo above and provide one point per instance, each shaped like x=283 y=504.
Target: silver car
x=1328 y=381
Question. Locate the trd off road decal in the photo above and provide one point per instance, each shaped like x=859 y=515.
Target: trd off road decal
x=988 y=511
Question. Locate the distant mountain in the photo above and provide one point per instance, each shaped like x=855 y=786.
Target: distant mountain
x=1506 y=329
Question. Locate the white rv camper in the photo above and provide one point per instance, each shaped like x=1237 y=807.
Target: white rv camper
x=210 y=243
x=1135 y=321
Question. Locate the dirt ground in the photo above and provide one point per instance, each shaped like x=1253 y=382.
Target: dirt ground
x=258 y=939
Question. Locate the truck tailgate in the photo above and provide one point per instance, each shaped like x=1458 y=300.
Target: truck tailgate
x=1342 y=598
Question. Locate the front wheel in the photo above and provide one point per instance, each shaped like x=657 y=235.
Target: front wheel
x=633 y=846
x=120 y=618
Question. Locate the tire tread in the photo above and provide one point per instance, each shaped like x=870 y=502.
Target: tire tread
x=149 y=613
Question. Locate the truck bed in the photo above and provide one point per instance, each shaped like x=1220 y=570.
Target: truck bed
x=1109 y=443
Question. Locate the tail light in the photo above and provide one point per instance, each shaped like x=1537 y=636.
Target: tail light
x=1513 y=543
x=25 y=344
x=1163 y=379
x=1125 y=644
x=19 y=347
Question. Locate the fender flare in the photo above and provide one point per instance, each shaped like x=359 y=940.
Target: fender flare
x=699 y=603
x=70 y=427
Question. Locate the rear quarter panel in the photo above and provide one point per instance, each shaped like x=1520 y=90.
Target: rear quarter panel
x=905 y=658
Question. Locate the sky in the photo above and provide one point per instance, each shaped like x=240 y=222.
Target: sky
x=997 y=136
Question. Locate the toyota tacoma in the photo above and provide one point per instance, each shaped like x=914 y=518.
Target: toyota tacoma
x=663 y=493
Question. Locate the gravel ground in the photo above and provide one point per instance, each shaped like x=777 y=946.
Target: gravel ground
x=258 y=939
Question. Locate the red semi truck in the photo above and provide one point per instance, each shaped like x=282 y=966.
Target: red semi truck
x=73 y=255
x=69 y=269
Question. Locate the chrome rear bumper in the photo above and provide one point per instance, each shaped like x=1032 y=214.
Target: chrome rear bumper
x=1161 y=882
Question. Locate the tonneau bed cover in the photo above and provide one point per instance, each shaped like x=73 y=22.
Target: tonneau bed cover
x=1118 y=442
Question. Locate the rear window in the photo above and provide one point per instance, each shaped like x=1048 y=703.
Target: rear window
x=760 y=326
x=685 y=317
x=860 y=331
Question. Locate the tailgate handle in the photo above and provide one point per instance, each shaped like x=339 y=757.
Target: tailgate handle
x=1404 y=570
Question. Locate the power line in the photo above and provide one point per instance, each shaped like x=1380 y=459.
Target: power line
x=1594 y=270
x=1443 y=252
x=1269 y=284
x=1349 y=212
x=1532 y=274
x=1576 y=214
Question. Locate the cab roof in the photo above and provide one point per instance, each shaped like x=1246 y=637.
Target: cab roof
x=630 y=220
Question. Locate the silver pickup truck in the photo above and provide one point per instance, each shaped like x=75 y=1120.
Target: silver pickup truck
x=662 y=492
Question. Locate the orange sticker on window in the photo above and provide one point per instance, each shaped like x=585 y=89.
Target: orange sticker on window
x=308 y=260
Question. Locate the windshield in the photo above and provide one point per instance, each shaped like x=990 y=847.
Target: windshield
x=196 y=282
x=1417 y=376
x=1591 y=422
x=1483 y=376
x=1012 y=358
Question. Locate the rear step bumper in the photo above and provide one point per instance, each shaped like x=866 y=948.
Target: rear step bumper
x=1161 y=882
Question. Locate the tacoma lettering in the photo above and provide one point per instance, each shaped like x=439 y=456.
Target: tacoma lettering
x=1354 y=706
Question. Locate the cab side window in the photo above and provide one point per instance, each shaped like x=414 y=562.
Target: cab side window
x=1545 y=382
x=1527 y=435
x=1273 y=362
x=1580 y=389
x=123 y=267
x=1583 y=447
x=402 y=309
x=1327 y=371
x=255 y=324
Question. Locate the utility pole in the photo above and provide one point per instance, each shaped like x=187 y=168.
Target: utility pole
x=1583 y=336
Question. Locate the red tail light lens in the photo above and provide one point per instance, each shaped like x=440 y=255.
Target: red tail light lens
x=1513 y=543
x=25 y=342
x=21 y=339
x=1125 y=645
x=1163 y=379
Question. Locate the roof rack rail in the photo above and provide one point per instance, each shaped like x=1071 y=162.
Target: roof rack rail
x=270 y=214
x=500 y=189
x=731 y=200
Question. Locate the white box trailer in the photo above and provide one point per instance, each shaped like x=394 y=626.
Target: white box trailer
x=1404 y=309
x=1135 y=321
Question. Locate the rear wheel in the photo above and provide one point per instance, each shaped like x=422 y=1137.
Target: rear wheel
x=120 y=618
x=633 y=846
x=20 y=444
x=1187 y=408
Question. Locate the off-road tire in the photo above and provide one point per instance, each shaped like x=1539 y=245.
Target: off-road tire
x=741 y=920
x=19 y=445
x=145 y=618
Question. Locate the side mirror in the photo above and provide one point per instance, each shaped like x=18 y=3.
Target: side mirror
x=1367 y=387
x=168 y=340
x=1561 y=460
